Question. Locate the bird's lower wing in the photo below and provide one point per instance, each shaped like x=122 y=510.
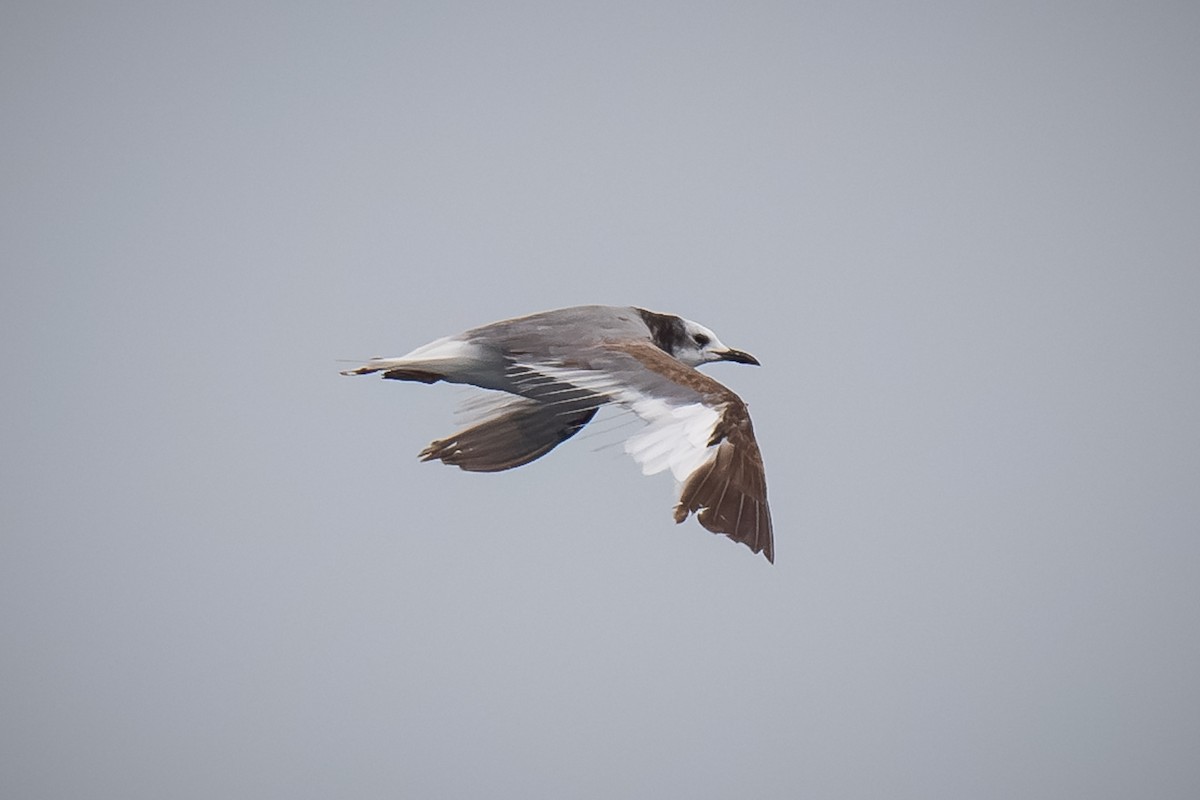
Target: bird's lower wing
x=514 y=433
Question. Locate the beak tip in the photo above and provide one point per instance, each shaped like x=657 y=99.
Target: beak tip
x=741 y=357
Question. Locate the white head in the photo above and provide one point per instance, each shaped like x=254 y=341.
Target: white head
x=690 y=342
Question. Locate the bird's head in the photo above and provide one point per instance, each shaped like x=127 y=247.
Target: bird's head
x=699 y=345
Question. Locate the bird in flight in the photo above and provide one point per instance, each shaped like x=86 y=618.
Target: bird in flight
x=561 y=366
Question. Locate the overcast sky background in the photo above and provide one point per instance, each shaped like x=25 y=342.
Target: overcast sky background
x=964 y=240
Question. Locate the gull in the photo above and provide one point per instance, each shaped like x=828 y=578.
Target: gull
x=559 y=367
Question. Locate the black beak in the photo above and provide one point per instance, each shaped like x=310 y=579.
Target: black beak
x=739 y=356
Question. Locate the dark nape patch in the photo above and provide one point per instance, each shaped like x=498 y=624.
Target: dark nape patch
x=666 y=330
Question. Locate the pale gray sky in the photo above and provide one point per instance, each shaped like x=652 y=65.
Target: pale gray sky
x=962 y=238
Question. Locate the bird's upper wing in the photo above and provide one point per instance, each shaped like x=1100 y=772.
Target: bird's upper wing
x=697 y=428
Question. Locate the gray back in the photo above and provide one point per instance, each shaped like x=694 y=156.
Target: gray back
x=555 y=335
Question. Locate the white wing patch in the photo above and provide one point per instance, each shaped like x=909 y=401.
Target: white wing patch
x=677 y=435
x=676 y=438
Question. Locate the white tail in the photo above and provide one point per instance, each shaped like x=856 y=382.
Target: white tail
x=444 y=359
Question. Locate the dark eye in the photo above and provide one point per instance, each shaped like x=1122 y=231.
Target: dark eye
x=700 y=339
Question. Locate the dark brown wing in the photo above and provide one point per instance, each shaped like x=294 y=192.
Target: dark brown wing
x=520 y=432
x=730 y=490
